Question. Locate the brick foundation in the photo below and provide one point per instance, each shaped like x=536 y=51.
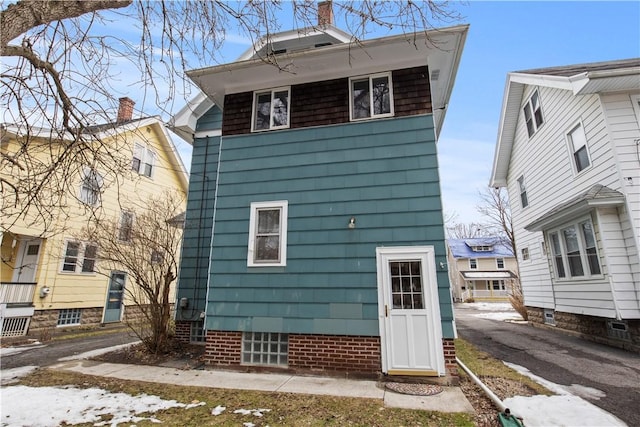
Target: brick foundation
x=588 y=327
x=337 y=353
x=183 y=331
x=318 y=354
x=450 y=364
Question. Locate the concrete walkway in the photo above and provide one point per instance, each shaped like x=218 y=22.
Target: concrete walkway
x=450 y=400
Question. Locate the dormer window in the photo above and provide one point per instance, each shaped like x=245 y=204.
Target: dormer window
x=271 y=109
x=482 y=248
x=371 y=96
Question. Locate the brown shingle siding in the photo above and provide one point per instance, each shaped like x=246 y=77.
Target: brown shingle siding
x=327 y=102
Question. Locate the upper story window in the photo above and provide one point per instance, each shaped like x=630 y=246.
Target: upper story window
x=90 y=187
x=524 y=201
x=268 y=234
x=473 y=263
x=144 y=160
x=578 y=146
x=524 y=252
x=126 y=226
x=79 y=257
x=482 y=248
x=371 y=96
x=499 y=262
x=533 y=114
x=271 y=109
x=574 y=251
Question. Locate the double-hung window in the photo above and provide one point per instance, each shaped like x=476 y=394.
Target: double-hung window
x=533 y=114
x=371 y=96
x=500 y=263
x=126 y=226
x=268 y=234
x=473 y=263
x=578 y=146
x=79 y=257
x=524 y=201
x=574 y=251
x=271 y=109
x=90 y=187
x=144 y=160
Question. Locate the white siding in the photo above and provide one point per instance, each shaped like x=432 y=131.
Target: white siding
x=624 y=127
x=546 y=162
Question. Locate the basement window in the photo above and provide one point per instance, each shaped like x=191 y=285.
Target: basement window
x=265 y=348
x=197 y=333
x=549 y=317
x=69 y=316
x=618 y=330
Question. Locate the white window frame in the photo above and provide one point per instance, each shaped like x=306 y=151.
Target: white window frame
x=578 y=130
x=94 y=182
x=529 y=106
x=582 y=248
x=473 y=263
x=522 y=191
x=524 y=254
x=372 y=115
x=283 y=206
x=80 y=258
x=146 y=157
x=271 y=107
x=498 y=262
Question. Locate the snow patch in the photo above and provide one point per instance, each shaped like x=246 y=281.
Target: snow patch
x=10 y=376
x=98 y=352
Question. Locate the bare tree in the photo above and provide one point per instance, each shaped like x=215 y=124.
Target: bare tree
x=495 y=208
x=466 y=231
x=62 y=62
x=147 y=249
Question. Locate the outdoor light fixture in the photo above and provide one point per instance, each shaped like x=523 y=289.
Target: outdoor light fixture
x=352 y=222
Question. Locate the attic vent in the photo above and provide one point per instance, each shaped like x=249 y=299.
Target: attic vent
x=322 y=44
x=279 y=51
x=618 y=330
x=435 y=74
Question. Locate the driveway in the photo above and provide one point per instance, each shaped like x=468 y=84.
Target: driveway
x=605 y=376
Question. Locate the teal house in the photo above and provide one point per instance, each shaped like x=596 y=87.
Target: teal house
x=314 y=236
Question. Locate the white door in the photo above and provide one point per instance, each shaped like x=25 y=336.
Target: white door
x=410 y=328
x=27 y=261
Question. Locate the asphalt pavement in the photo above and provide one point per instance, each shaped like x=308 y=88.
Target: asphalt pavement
x=607 y=377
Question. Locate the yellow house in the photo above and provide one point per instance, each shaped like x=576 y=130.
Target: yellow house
x=49 y=278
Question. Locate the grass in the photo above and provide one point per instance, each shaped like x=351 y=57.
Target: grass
x=483 y=365
x=286 y=409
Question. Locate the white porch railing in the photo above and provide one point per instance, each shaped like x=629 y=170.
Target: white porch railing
x=17 y=293
x=484 y=294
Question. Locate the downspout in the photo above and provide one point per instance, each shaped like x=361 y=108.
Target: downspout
x=490 y=394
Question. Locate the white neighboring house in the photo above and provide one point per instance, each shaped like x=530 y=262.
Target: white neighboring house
x=568 y=152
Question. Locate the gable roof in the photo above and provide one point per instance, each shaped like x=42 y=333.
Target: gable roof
x=108 y=130
x=580 y=79
x=462 y=248
x=439 y=49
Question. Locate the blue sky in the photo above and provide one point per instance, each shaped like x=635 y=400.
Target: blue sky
x=503 y=37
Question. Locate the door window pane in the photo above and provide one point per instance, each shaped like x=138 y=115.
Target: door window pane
x=406 y=285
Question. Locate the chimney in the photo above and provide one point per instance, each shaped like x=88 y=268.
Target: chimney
x=325 y=13
x=125 y=110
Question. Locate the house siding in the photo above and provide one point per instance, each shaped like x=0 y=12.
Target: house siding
x=545 y=160
x=624 y=127
x=382 y=172
x=327 y=102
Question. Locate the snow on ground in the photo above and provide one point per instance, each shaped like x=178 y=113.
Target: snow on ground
x=10 y=376
x=494 y=311
x=53 y=406
x=565 y=409
x=6 y=351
